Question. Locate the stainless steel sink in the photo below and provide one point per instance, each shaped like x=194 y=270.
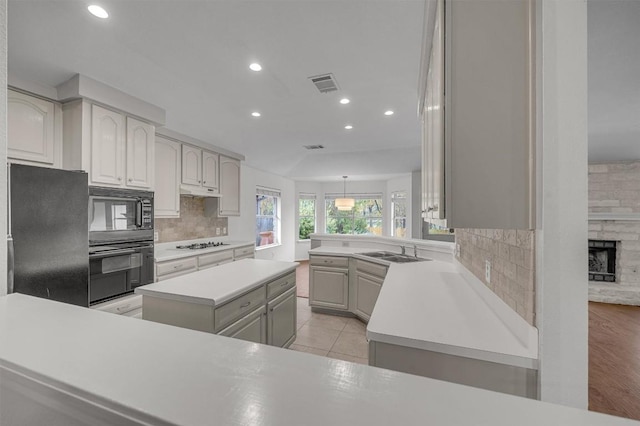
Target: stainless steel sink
x=393 y=257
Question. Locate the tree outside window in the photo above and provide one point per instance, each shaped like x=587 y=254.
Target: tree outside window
x=267 y=218
x=306 y=217
x=364 y=218
x=399 y=207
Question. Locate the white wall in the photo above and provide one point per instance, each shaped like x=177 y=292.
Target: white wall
x=243 y=227
x=3 y=143
x=561 y=238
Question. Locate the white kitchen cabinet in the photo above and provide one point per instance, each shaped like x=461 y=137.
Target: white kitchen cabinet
x=478 y=154
x=210 y=170
x=200 y=170
x=191 y=165
x=130 y=306
x=140 y=154
x=168 y=171
x=282 y=321
x=116 y=150
x=368 y=283
x=175 y=268
x=229 y=204
x=107 y=147
x=252 y=327
x=34 y=130
x=329 y=285
x=246 y=252
x=214 y=259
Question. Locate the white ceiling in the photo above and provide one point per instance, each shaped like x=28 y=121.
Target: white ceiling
x=614 y=80
x=191 y=58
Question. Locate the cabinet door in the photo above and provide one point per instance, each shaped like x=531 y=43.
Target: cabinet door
x=107 y=147
x=30 y=126
x=168 y=169
x=140 y=154
x=191 y=165
x=252 y=327
x=210 y=170
x=329 y=287
x=367 y=291
x=229 y=186
x=281 y=325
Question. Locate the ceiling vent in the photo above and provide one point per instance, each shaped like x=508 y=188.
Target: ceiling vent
x=314 y=146
x=325 y=83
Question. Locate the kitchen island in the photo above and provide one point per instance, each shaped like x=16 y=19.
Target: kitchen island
x=250 y=299
x=63 y=365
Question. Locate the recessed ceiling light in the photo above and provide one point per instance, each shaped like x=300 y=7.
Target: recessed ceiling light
x=98 y=11
x=255 y=114
x=344 y=101
x=348 y=127
x=389 y=112
x=255 y=67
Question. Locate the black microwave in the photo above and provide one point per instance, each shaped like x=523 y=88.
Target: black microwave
x=120 y=215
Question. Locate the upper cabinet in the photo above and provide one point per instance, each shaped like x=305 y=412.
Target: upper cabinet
x=229 y=204
x=200 y=169
x=34 y=127
x=168 y=171
x=115 y=149
x=478 y=116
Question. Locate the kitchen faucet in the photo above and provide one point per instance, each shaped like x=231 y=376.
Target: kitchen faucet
x=415 y=250
x=402 y=247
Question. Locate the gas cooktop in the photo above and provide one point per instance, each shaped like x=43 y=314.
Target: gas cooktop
x=200 y=246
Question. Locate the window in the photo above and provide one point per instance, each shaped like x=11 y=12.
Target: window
x=267 y=217
x=399 y=209
x=306 y=216
x=364 y=218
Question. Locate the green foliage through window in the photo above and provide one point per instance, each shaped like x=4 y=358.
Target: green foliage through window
x=364 y=218
x=307 y=217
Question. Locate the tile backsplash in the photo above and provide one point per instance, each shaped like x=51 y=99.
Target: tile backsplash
x=191 y=224
x=511 y=253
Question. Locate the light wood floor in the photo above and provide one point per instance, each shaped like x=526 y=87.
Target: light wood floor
x=302 y=278
x=614 y=359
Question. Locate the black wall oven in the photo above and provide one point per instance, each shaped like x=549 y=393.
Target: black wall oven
x=120 y=242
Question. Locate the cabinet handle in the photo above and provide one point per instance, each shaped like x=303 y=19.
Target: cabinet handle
x=177 y=266
x=119 y=178
x=271 y=310
x=245 y=305
x=283 y=284
x=198 y=181
x=204 y=181
x=130 y=180
x=122 y=308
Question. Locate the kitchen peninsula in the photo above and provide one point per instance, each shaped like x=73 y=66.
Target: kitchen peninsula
x=431 y=317
x=63 y=365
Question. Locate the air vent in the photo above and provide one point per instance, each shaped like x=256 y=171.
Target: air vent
x=314 y=146
x=325 y=83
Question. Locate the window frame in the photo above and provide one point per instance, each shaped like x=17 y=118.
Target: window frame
x=370 y=196
x=277 y=221
x=394 y=196
x=301 y=197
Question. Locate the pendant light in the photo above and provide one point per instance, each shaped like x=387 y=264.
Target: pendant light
x=345 y=203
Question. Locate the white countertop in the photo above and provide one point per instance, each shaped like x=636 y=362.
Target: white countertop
x=168 y=251
x=434 y=305
x=214 y=286
x=185 y=377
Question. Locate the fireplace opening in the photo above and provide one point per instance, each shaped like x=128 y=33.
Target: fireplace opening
x=602 y=260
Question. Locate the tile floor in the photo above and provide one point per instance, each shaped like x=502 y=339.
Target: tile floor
x=329 y=335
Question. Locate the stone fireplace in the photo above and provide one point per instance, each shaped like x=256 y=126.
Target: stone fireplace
x=602 y=261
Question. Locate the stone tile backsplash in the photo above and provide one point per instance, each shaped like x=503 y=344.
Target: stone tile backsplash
x=511 y=253
x=191 y=224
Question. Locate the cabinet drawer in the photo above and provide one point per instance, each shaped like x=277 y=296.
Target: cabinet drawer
x=212 y=265
x=329 y=261
x=251 y=327
x=214 y=258
x=280 y=285
x=229 y=312
x=180 y=265
x=243 y=252
x=371 y=268
x=120 y=306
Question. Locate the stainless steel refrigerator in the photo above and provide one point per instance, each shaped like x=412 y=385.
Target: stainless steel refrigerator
x=48 y=241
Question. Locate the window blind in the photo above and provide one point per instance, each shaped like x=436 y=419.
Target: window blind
x=271 y=192
x=357 y=196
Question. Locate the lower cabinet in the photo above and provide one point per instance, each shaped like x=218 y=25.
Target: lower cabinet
x=367 y=291
x=328 y=287
x=252 y=327
x=281 y=314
